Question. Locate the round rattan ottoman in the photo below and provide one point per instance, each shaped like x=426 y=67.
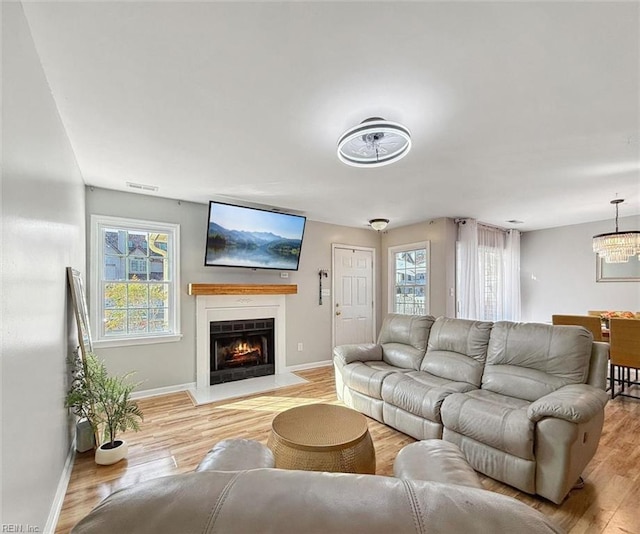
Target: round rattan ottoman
x=322 y=437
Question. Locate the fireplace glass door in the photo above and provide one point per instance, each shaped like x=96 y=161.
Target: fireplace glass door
x=241 y=349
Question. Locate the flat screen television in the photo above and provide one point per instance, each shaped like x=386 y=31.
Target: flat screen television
x=238 y=236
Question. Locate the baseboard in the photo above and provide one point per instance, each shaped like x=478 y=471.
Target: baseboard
x=192 y=385
x=61 y=491
x=162 y=391
x=306 y=366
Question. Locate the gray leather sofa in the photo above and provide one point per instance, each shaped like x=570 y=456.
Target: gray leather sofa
x=523 y=401
x=443 y=497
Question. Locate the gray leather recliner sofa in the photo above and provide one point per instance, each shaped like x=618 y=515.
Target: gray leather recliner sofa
x=523 y=401
x=236 y=490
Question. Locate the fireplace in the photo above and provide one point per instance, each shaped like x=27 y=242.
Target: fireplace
x=241 y=349
x=241 y=308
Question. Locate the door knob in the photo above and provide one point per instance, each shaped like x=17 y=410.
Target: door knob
x=338 y=313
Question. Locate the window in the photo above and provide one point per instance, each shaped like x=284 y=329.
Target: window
x=135 y=281
x=491 y=272
x=408 y=276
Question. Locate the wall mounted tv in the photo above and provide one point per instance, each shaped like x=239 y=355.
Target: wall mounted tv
x=238 y=236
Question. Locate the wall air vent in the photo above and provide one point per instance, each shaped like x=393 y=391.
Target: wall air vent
x=142 y=187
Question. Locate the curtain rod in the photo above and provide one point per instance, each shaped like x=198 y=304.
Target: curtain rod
x=486 y=225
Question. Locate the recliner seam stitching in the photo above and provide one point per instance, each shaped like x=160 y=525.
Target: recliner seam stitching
x=415 y=506
x=219 y=503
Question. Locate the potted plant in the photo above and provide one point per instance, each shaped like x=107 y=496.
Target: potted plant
x=107 y=404
x=79 y=401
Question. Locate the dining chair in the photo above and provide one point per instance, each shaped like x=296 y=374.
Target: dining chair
x=590 y=322
x=624 y=355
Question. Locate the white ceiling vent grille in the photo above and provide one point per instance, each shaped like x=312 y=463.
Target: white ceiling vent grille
x=142 y=187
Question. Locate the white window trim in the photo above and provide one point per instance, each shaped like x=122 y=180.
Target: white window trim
x=97 y=259
x=391 y=270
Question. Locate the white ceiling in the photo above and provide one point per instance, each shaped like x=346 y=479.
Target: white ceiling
x=525 y=111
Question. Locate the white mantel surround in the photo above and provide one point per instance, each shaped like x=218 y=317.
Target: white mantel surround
x=239 y=307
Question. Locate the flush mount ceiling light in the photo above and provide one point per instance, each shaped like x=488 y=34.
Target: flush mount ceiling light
x=617 y=247
x=379 y=224
x=373 y=143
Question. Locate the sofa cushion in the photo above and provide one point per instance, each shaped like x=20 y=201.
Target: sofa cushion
x=420 y=393
x=493 y=419
x=367 y=377
x=457 y=349
x=530 y=360
x=404 y=339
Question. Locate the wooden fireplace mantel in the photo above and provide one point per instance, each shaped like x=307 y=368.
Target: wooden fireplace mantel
x=243 y=289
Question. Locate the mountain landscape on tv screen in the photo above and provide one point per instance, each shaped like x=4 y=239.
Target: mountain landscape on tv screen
x=251 y=249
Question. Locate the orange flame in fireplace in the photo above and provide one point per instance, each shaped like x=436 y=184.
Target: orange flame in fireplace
x=244 y=348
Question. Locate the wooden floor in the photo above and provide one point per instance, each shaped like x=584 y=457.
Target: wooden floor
x=176 y=435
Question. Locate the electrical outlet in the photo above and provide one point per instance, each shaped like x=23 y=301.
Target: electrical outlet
x=284 y=275
x=300 y=347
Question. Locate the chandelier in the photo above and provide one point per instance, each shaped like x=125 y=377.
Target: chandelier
x=617 y=247
x=373 y=143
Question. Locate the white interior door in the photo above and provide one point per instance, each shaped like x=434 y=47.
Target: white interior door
x=353 y=301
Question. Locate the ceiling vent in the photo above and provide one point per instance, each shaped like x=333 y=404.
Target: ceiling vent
x=142 y=187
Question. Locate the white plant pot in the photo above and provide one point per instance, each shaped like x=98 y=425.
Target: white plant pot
x=107 y=456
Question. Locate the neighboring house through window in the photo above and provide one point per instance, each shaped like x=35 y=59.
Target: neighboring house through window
x=135 y=297
x=409 y=279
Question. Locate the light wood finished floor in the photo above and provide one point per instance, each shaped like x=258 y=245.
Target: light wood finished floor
x=176 y=435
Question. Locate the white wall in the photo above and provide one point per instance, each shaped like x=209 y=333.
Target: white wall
x=558 y=269
x=441 y=233
x=43 y=232
x=171 y=364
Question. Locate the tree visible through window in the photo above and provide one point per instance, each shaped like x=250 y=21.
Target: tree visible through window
x=136 y=282
x=409 y=271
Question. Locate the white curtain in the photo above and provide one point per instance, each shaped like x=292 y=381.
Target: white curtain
x=512 y=277
x=468 y=274
x=488 y=272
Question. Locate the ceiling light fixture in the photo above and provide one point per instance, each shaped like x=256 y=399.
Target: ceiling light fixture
x=617 y=247
x=373 y=143
x=379 y=224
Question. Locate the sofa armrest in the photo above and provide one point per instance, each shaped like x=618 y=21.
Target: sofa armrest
x=598 y=365
x=435 y=460
x=576 y=403
x=237 y=455
x=363 y=352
